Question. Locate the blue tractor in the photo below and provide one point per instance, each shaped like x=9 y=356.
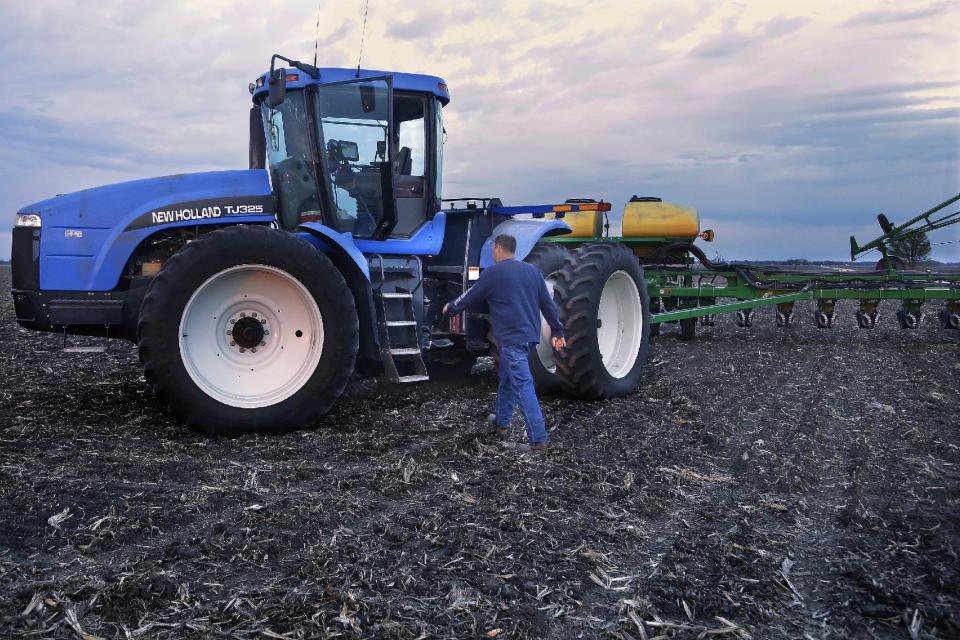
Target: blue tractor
x=255 y=296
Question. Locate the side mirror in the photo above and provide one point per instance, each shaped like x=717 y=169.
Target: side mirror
x=277 y=87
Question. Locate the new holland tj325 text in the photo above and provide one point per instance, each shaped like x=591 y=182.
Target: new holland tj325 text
x=255 y=295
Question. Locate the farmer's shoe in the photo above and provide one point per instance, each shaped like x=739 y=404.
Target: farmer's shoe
x=538 y=448
x=494 y=429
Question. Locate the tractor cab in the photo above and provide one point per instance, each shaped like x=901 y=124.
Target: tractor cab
x=358 y=151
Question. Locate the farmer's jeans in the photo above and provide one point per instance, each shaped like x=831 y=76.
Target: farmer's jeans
x=516 y=388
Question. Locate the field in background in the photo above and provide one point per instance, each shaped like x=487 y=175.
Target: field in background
x=764 y=482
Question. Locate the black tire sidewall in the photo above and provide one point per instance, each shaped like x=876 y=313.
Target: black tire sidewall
x=215 y=252
x=549 y=258
x=583 y=373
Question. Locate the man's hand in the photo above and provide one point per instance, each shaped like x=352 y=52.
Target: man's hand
x=446 y=309
x=559 y=343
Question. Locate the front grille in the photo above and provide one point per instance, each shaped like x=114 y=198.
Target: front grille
x=25 y=258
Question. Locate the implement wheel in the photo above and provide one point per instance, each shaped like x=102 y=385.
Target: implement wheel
x=248 y=330
x=549 y=259
x=602 y=297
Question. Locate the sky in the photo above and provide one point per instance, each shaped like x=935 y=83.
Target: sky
x=788 y=124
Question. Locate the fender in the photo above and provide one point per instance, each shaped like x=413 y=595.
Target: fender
x=331 y=241
x=527 y=231
x=88 y=236
x=351 y=262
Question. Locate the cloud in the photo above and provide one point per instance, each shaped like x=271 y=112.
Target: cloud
x=767 y=116
x=422 y=25
x=893 y=16
x=732 y=41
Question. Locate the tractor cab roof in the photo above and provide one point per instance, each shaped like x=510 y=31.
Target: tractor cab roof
x=297 y=79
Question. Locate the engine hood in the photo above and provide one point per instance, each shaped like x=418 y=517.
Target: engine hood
x=177 y=198
x=86 y=237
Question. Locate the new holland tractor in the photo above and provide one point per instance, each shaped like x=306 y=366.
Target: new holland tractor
x=255 y=295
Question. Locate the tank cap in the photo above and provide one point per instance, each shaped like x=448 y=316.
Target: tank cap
x=645 y=199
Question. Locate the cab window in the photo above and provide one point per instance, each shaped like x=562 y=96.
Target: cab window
x=410 y=113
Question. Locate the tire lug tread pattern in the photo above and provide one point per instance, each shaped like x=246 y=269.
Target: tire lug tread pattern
x=547 y=257
x=163 y=367
x=577 y=293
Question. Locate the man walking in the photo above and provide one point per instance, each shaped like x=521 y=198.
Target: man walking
x=516 y=296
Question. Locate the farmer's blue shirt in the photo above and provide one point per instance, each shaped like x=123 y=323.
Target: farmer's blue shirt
x=516 y=295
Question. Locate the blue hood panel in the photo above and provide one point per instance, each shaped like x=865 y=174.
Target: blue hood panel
x=88 y=236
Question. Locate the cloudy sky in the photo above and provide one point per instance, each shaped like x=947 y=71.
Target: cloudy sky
x=789 y=124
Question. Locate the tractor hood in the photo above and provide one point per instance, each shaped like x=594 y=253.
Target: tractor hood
x=87 y=236
x=127 y=206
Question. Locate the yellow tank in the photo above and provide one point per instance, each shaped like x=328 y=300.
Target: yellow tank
x=653 y=218
x=585 y=224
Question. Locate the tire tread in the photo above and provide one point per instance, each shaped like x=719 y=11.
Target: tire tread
x=579 y=366
x=157 y=314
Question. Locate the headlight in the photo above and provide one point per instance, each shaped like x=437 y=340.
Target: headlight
x=28 y=220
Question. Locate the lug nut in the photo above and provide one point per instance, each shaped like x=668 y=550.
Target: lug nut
x=254 y=349
x=263 y=344
x=242 y=350
x=253 y=315
x=262 y=320
x=243 y=314
x=232 y=321
x=266 y=333
x=232 y=343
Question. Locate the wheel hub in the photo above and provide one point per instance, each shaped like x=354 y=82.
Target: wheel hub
x=619 y=324
x=251 y=336
x=248 y=330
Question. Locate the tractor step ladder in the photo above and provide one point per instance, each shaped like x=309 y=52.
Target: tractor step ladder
x=397 y=313
x=399 y=329
x=86 y=348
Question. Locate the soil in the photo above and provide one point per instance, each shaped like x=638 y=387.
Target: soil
x=762 y=482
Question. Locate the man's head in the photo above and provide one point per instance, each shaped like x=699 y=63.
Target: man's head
x=504 y=247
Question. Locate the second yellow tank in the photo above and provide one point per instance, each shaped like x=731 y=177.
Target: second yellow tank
x=651 y=217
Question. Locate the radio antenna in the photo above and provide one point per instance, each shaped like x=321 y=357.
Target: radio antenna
x=363 y=35
x=316 y=43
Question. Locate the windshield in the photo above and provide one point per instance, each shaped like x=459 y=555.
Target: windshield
x=293 y=167
x=355 y=138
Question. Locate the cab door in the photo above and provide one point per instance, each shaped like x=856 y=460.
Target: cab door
x=356 y=144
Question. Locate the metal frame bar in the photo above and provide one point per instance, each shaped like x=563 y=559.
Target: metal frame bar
x=543 y=209
x=906 y=287
x=904 y=231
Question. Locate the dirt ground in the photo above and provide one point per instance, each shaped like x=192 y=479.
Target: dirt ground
x=761 y=483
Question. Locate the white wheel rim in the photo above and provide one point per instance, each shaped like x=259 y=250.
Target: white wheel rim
x=218 y=336
x=620 y=316
x=545 y=347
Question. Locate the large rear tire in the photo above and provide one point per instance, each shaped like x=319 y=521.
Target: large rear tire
x=602 y=296
x=248 y=330
x=549 y=258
